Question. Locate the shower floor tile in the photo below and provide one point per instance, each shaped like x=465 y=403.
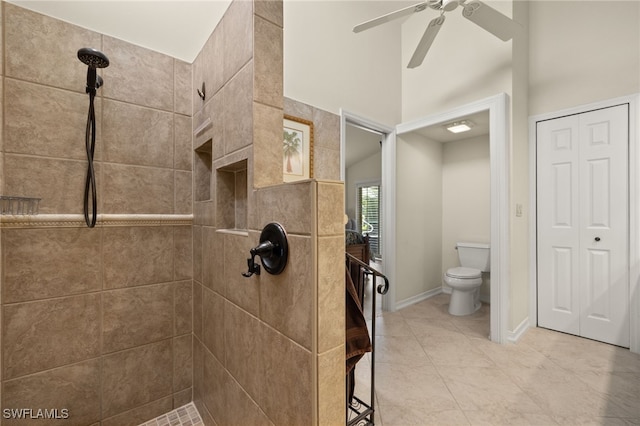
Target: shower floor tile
x=187 y=415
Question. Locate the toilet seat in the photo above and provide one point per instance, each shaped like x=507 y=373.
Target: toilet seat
x=462 y=272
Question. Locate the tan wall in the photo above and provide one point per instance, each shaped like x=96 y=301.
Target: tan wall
x=466 y=198
x=97 y=321
x=418 y=216
x=267 y=349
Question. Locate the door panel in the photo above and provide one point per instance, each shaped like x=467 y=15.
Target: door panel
x=582 y=196
x=558 y=238
x=604 y=232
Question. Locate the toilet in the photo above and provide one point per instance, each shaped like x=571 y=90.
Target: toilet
x=465 y=280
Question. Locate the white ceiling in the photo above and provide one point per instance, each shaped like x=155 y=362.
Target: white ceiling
x=176 y=28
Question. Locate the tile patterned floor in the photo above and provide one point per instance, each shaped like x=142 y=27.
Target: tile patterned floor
x=436 y=369
x=187 y=415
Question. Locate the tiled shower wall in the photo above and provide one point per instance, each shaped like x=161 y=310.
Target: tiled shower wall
x=267 y=349
x=99 y=321
x=95 y=321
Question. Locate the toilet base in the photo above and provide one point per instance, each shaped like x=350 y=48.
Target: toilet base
x=464 y=302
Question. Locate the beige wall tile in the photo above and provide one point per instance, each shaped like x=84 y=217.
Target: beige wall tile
x=271 y=10
x=243 y=350
x=137 y=190
x=182 y=363
x=238 y=37
x=225 y=184
x=53 y=42
x=183 y=307
x=182 y=252
x=136 y=316
x=183 y=188
x=213 y=323
x=183 y=87
x=60 y=183
x=141 y=414
x=197 y=253
x=43 y=263
x=286 y=395
x=50 y=333
x=202 y=172
x=45 y=121
x=138 y=75
x=137 y=256
x=213 y=395
x=298 y=109
x=286 y=300
x=238 y=109
x=241 y=290
x=331 y=387
x=267 y=146
x=183 y=142
x=268 y=63
x=198 y=374
x=137 y=135
x=210 y=67
x=240 y=408
x=213 y=111
x=288 y=205
x=331 y=295
x=330 y=208
x=74 y=387
x=197 y=310
x=326 y=127
x=326 y=163
x=135 y=377
x=213 y=264
x=182 y=397
x=1 y=48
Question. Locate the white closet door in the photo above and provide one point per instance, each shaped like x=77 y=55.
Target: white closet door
x=558 y=224
x=583 y=225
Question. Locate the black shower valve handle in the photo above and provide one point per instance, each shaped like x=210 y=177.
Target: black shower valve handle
x=273 y=251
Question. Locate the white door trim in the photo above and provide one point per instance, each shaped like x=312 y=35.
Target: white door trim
x=500 y=235
x=634 y=208
x=388 y=197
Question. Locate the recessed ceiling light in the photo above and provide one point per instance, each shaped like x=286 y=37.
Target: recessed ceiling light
x=459 y=126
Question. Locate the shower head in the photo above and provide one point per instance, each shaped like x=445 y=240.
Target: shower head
x=94 y=59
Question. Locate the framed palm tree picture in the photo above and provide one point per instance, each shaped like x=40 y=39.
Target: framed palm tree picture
x=297 y=149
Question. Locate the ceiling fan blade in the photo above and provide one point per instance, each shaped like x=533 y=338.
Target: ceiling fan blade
x=390 y=17
x=488 y=18
x=426 y=41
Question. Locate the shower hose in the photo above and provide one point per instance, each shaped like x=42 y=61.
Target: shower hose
x=90 y=184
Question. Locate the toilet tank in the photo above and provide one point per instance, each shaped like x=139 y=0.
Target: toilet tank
x=474 y=255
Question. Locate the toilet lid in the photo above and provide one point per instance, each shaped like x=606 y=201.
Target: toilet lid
x=462 y=272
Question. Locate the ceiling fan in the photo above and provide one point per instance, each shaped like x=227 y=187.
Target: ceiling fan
x=474 y=10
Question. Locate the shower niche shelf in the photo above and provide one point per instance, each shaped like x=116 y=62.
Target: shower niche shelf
x=202 y=171
x=19 y=206
x=231 y=196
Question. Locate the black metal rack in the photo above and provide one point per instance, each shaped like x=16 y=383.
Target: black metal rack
x=358 y=411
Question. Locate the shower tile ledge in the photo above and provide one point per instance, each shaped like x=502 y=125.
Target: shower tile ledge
x=104 y=220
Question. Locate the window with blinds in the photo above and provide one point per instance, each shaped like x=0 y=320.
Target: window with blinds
x=368 y=215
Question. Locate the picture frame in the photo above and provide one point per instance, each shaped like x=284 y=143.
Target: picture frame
x=297 y=149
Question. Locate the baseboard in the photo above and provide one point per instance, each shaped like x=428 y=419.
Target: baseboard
x=418 y=298
x=515 y=335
